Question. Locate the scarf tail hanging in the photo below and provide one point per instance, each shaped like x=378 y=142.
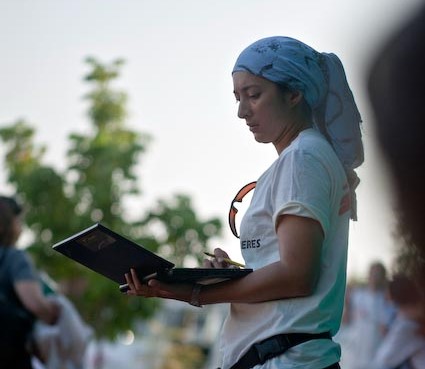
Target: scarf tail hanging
x=339 y=120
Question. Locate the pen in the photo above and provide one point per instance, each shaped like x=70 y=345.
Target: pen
x=226 y=260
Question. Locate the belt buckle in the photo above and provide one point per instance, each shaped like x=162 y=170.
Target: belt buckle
x=270 y=348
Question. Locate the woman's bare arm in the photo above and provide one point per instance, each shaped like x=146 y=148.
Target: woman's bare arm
x=294 y=275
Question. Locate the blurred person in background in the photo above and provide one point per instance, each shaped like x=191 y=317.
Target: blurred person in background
x=367 y=317
x=403 y=347
x=21 y=297
x=396 y=80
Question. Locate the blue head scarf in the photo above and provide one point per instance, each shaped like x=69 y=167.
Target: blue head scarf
x=288 y=62
x=321 y=79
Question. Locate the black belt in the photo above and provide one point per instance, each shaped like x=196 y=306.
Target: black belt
x=274 y=346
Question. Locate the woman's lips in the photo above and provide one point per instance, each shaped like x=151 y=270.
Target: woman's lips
x=253 y=127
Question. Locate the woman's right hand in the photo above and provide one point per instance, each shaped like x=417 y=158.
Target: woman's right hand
x=217 y=261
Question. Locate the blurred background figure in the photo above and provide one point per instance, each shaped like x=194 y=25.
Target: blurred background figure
x=21 y=297
x=403 y=347
x=63 y=345
x=367 y=316
x=396 y=81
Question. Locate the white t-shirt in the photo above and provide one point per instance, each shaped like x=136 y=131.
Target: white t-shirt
x=306 y=180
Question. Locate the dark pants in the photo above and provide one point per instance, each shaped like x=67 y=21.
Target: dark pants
x=15 y=327
x=14 y=357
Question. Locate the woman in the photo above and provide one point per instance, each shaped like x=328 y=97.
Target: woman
x=284 y=313
x=22 y=300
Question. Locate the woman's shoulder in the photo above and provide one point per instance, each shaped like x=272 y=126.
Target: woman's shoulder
x=15 y=258
x=311 y=140
x=16 y=264
x=310 y=143
x=11 y=253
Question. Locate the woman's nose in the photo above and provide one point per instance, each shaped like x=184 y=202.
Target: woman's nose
x=243 y=109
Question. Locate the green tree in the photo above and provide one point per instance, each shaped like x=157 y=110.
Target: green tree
x=99 y=175
x=183 y=236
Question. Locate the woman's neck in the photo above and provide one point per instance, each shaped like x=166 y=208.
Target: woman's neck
x=289 y=134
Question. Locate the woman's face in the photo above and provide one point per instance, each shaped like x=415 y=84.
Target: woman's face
x=265 y=108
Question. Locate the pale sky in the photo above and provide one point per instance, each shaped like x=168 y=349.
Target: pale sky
x=179 y=56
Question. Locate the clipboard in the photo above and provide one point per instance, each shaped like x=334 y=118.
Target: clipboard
x=112 y=255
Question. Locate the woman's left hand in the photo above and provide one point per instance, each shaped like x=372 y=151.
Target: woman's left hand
x=155 y=288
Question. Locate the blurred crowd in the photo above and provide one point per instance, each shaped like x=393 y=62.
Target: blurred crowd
x=382 y=325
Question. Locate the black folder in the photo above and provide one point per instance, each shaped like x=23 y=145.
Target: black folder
x=112 y=255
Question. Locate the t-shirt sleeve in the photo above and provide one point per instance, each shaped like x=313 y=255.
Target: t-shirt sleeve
x=302 y=187
x=21 y=267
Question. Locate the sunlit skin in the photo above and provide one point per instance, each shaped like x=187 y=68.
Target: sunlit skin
x=273 y=117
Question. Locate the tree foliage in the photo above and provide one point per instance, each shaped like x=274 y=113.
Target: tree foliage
x=99 y=175
x=181 y=230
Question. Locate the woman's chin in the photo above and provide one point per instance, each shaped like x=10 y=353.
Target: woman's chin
x=260 y=138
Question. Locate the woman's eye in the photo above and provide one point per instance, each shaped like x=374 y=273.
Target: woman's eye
x=254 y=96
